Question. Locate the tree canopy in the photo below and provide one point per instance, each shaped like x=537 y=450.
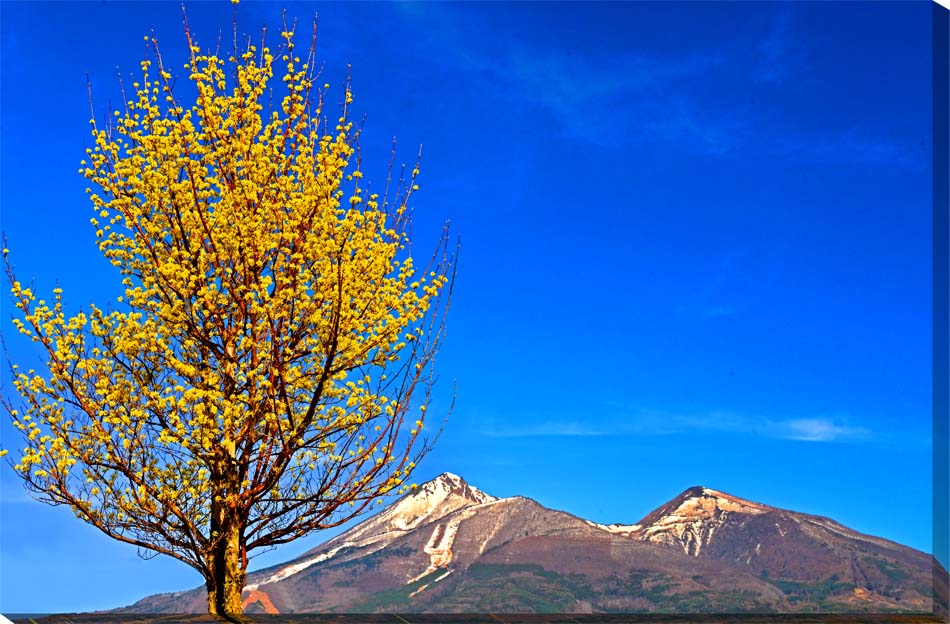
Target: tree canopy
x=266 y=372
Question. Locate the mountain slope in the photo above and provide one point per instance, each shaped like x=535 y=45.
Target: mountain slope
x=448 y=547
x=813 y=554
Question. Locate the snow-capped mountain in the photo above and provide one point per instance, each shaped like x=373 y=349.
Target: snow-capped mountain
x=449 y=547
x=691 y=520
x=780 y=544
x=434 y=499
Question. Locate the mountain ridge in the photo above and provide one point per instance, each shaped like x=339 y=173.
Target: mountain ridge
x=447 y=546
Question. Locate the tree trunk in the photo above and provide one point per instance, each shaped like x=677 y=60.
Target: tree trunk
x=227 y=575
x=225 y=583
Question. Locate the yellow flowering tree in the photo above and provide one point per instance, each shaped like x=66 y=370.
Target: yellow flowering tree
x=269 y=367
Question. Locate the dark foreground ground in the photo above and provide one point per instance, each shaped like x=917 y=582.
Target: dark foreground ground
x=483 y=618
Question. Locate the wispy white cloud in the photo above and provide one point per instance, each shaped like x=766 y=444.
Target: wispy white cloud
x=551 y=428
x=643 y=98
x=804 y=429
x=629 y=98
x=817 y=430
x=652 y=423
x=701 y=133
x=616 y=99
x=847 y=147
x=776 y=59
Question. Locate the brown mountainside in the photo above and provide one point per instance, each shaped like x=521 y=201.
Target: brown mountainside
x=449 y=547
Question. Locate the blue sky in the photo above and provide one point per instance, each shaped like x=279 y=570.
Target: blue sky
x=696 y=247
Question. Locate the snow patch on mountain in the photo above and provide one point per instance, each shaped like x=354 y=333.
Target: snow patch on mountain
x=620 y=529
x=439 y=546
x=430 y=501
x=433 y=582
x=297 y=567
x=692 y=523
x=726 y=502
x=808 y=524
x=413 y=510
x=433 y=500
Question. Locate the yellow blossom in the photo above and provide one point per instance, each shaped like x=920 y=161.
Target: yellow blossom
x=263 y=304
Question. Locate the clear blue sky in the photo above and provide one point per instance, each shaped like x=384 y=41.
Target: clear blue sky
x=696 y=247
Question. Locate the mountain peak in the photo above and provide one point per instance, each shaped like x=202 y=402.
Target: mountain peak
x=702 y=500
x=450 y=479
x=447 y=484
x=427 y=502
x=696 y=490
x=690 y=519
